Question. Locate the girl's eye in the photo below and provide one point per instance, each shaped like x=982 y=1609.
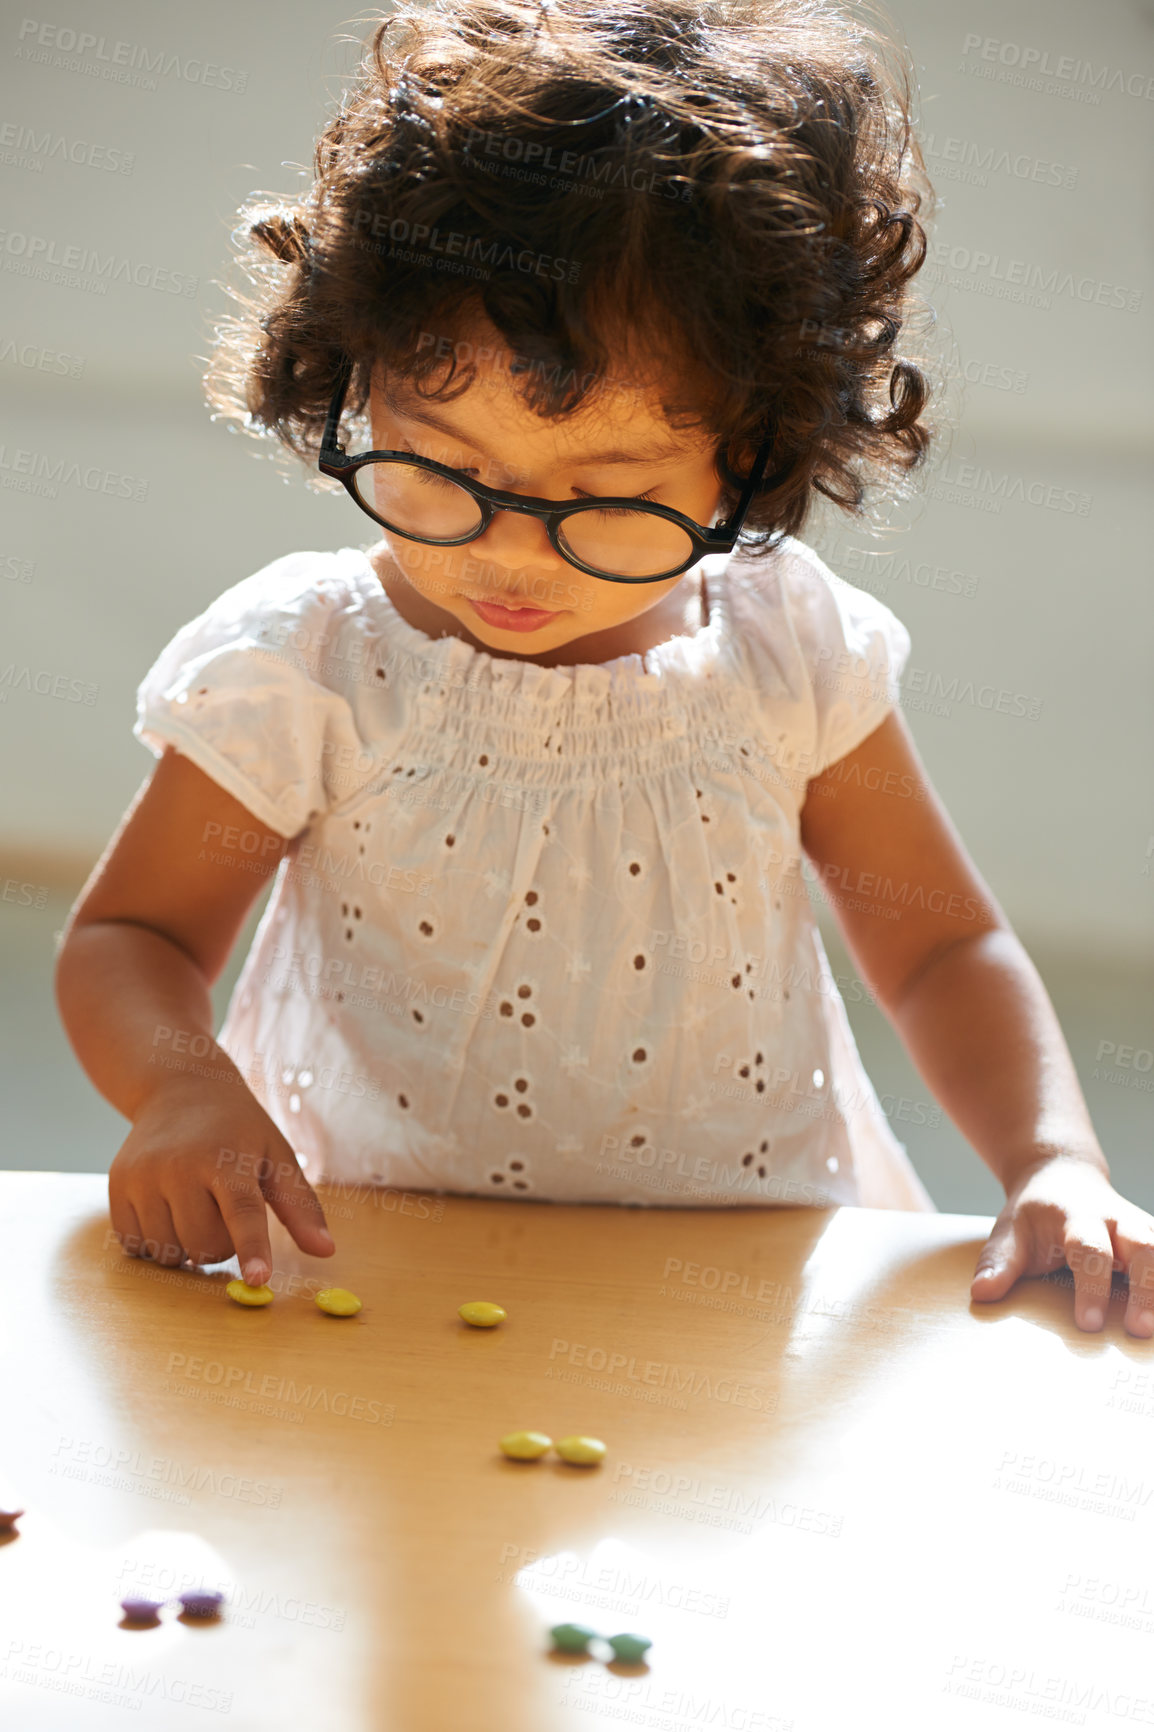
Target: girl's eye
x=426 y=478
x=616 y=511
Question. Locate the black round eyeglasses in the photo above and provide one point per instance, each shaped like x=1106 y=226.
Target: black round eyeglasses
x=622 y=540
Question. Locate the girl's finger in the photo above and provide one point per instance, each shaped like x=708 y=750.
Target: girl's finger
x=296 y=1204
x=200 y=1227
x=126 y=1226
x=160 y=1241
x=1004 y=1257
x=1089 y=1254
x=246 y=1217
x=1135 y=1246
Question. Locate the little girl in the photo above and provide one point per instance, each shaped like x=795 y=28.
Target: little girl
x=586 y=304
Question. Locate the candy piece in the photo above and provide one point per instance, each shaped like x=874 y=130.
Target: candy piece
x=201 y=1603
x=246 y=1295
x=338 y=1302
x=141 y=1611
x=8 y=1520
x=572 y=1638
x=629 y=1647
x=481 y=1314
x=525 y=1445
x=581 y=1451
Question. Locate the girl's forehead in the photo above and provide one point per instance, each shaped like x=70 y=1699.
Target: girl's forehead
x=643 y=380
x=621 y=417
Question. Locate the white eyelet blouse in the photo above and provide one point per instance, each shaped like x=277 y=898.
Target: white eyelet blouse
x=543 y=932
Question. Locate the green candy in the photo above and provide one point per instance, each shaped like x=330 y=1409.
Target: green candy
x=629 y=1647
x=573 y=1638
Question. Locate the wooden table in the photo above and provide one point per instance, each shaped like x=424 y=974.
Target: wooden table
x=835 y=1496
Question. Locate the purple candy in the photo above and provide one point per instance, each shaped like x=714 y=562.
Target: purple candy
x=201 y=1603
x=141 y=1609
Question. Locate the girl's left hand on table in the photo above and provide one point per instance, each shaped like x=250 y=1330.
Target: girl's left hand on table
x=1066 y=1210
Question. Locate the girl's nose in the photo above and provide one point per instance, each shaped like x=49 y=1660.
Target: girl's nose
x=514 y=540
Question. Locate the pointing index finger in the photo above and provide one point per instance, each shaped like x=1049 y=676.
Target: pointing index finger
x=295 y=1204
x=242 y=1205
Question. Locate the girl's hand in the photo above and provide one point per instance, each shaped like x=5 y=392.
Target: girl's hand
x=195 y=1174
x=1066 y=1210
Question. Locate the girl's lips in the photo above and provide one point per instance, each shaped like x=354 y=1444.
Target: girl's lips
x=512 y=619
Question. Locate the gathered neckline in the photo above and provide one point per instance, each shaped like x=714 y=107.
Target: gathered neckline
x=679 y=645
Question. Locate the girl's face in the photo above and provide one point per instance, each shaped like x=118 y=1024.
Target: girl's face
x=617 y=444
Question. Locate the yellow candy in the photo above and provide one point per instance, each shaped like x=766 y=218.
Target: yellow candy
x=338 y=1302
x=481 y=1314
x=525 y=1445
x=582 y=1451
x=246 y=1295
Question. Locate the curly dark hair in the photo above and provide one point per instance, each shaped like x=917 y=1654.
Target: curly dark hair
x=726 y=187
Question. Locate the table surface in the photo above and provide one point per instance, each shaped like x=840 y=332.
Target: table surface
x=831 y=1484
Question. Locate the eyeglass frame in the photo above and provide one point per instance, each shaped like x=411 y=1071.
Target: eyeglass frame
x=335 y=462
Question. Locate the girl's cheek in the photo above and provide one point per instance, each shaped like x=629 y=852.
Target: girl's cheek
x=429 y=569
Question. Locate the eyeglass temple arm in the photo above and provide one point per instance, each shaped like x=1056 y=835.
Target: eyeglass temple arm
x=752 y=482
x=332 y=422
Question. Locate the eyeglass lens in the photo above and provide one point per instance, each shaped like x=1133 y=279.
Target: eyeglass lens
x=617 y=541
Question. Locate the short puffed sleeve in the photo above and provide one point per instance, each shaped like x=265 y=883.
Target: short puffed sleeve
x=852 y=650
x=244 y=691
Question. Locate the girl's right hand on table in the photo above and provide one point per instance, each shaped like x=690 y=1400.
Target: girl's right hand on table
x=196 y=1173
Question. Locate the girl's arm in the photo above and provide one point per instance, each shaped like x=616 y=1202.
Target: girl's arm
x=150 y=932
x=941 y=959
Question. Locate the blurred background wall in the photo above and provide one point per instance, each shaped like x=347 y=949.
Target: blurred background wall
x=1021 y=568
